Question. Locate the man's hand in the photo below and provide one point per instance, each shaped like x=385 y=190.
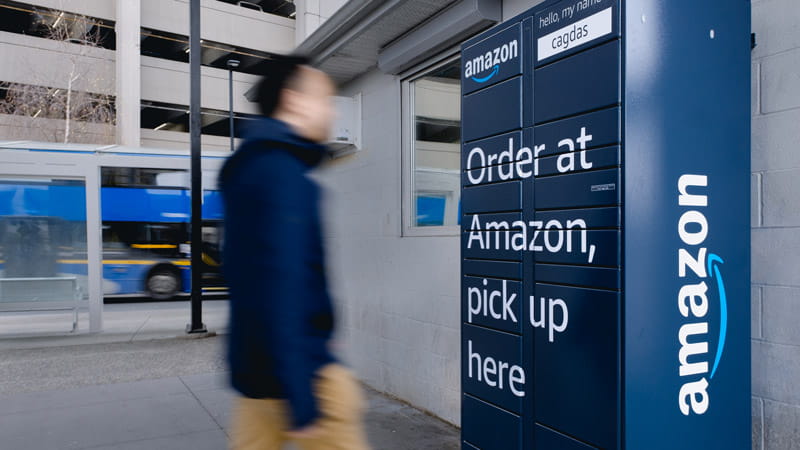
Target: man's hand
x=309 y=432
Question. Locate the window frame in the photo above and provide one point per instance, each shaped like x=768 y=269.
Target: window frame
x=408 y=139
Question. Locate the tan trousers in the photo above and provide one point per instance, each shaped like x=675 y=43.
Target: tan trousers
x=261 y=424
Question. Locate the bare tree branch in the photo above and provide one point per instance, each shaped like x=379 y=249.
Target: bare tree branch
x=75 y=109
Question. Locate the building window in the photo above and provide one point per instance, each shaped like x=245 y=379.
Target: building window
x=47 y=102
x=22 y=18
x=170 y=117
x=175 y=47
x=144 y=177
x=283 y=8
x=432 y=150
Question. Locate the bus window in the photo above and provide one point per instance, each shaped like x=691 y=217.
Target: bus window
x=146 y=232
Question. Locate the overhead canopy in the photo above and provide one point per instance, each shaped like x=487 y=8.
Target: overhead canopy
x=393 y=34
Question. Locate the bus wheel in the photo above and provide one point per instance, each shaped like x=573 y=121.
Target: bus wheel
x=162 y=283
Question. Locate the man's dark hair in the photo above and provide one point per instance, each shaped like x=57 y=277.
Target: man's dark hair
x=280 y=72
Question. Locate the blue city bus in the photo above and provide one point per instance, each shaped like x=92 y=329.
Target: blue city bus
x=146 y=228
x=146 y=248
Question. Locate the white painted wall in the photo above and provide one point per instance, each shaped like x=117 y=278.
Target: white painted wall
x=399 y=296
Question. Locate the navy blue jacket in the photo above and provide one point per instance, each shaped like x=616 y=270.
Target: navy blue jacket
x=281 y=315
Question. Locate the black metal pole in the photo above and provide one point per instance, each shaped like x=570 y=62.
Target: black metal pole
x=230 y=100
x=196 y=326
x=232 y=64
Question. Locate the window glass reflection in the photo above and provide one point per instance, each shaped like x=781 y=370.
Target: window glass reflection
x=437 y=146
x=43 y=246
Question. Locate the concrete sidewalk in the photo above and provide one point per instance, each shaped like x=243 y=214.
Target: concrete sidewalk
x=124 y=322
x=153 y=394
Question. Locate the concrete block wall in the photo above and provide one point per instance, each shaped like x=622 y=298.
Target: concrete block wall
x=775 y=204
x=398 y=296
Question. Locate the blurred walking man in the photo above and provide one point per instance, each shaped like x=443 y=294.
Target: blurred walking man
x=291 y=387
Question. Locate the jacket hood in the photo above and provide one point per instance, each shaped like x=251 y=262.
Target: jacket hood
x=272 y=134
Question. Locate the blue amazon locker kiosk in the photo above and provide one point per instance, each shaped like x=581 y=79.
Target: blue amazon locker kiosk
x=605 y=228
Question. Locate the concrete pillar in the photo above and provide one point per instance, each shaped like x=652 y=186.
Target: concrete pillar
x=301 y=8
x=310 y=14
x=129 y=84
